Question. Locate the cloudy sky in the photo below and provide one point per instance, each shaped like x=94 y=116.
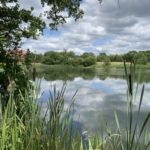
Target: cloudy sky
x=104 y=28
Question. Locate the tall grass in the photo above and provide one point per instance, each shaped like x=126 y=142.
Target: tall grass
x=30 y=130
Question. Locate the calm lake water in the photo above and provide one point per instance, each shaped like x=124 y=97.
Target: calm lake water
x=100 y=92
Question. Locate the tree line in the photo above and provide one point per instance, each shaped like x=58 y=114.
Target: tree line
x=87 y=59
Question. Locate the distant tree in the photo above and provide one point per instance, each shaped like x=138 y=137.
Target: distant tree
x=65 y=57
x=116 y=58
x=129 y=57
x=106 y=61
x=140 y=58
x=88 y=61
x=76 y=61
x=147 y=54
x=85 y=55
x=101 y=57
x=71 y=54
x=52 y=58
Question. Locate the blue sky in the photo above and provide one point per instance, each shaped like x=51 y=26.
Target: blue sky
x=104 y=28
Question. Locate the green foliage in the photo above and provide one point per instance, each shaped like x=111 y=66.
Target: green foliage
x=17 y=23
x=76 y=61
x=31 y=131
x=64 y=72
x=68 y=58
x=52 y=58
x=32 y=58
x=85 y=55
x=14 y=77
x=104 y=58
x=12 y=18
x=140 y=58
x=88 y=61
x=129 y=57
x=101 y=57
x=70 y=7
x=106 y=61
x=116 y=58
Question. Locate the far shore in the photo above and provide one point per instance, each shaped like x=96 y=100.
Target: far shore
x=100 y=64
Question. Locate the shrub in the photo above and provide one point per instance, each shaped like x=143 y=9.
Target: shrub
x=88 y=61
x=140 y=58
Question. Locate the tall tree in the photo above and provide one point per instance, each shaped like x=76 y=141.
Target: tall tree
x=16 y=23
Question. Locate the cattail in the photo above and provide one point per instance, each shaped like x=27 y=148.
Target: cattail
x=34 y=73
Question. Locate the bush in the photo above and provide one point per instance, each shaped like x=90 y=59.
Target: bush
x=88 y=61
x=140 y=58
x=75 y=61
x=14 y=76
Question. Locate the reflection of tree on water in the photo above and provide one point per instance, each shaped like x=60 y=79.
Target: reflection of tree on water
x=104 y=73
x=65 y=73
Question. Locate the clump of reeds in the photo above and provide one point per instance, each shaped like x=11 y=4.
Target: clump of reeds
x=29 y=130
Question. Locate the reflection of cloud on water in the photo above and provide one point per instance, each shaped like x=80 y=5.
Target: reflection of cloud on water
x=97 y=96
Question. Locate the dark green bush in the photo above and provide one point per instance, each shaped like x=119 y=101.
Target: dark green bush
x=88 y=61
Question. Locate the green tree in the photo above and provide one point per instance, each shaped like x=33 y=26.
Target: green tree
x=106 y=61
x=140 y=58
x=116 y=58
x=129 y=57
x=52 y=58
x=85 y=55
x=76 y=61
x=147 y=54
x=12 y=18
x=17 y=23
x=88 y=61
x=101 y=57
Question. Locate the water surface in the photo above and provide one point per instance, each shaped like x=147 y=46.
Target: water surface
x=101 y=92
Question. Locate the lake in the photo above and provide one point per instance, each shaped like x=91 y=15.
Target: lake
x=101 y=92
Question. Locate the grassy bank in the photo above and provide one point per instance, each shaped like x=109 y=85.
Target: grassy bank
x=121 y=65
x=100 y=65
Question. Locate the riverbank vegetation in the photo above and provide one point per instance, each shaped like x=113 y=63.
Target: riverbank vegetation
x=89 y=59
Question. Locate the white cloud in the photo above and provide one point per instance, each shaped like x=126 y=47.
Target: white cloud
x=127 y=28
